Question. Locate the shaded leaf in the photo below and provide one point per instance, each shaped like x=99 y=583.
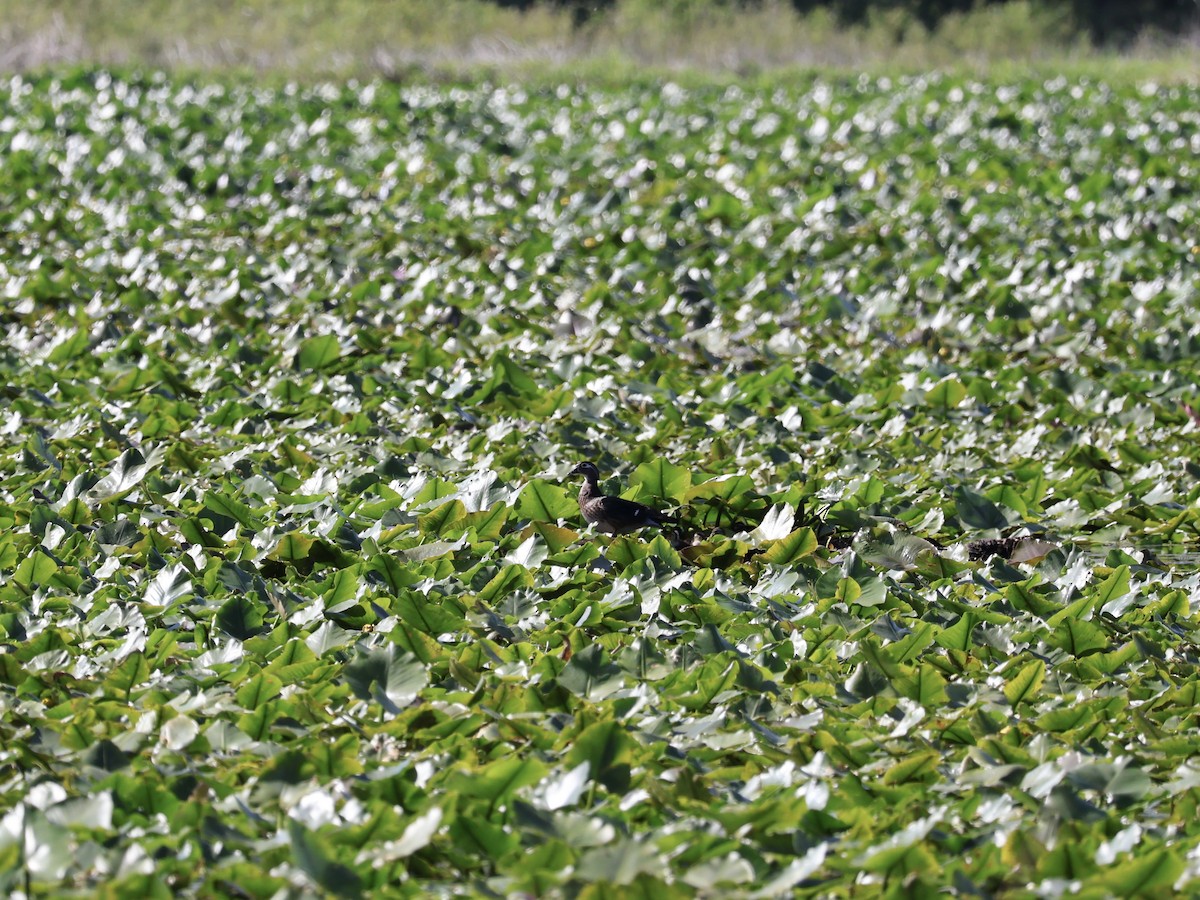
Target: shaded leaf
x=317 y=860
x=608 y=750
x=590 y=674
x=977 y=511
x=240 y=617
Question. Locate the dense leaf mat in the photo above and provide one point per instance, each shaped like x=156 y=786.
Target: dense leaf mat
x=292 y=594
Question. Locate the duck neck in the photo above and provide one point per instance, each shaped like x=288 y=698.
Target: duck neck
x=590 y=489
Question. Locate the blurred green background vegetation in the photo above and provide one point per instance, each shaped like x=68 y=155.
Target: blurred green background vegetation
x=394 y=38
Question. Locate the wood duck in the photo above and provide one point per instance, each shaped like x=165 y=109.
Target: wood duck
x=612 y=515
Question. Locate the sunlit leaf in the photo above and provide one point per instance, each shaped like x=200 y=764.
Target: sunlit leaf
x=258 y=690
x=318 y=352
x=947 y=394
x=661 y=478
x=293 y=547
x=776 y=524
x=169 y=585
x=894 y=551
x=126 y=473
x=444 y=519
x=1024 y=684
x=926 y=686
x=417 y=834
x=1114 y=586
x=542 y=501
x=36 y=569
x=1078 y=638
x=232 y=508
x=394 y=679
x=913 y=768
x=179 y=732
x=498 y=780
x=792 y=547
x=1145 y=875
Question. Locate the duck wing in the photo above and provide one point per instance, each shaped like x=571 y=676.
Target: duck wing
x=626 y=515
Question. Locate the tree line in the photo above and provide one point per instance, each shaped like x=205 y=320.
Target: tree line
x=1106 y=22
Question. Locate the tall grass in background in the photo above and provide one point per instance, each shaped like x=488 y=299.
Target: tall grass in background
x=462 y=37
